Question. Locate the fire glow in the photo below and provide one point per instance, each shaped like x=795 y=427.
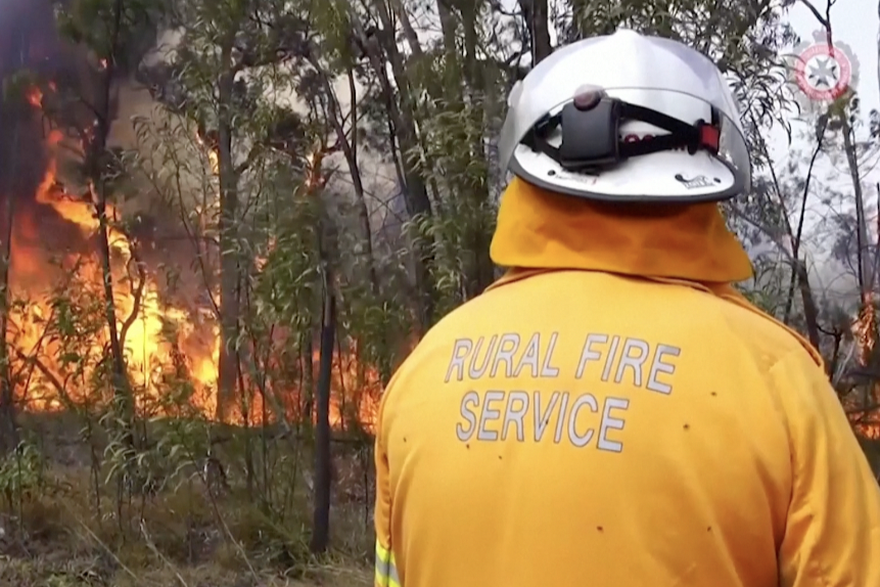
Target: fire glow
x=158 y=337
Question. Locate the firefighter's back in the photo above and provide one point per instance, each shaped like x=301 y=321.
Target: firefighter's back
x=585 y=428
x=574 y=427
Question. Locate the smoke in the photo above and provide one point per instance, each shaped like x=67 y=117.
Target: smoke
x=27 y=41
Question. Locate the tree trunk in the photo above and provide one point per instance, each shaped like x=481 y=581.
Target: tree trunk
x=349 y=147
x=95 y=162
x=323 y=466
x=811 y=310
x=402 y=115
x=308 y=381
x=862 y=258
x=535 y=14
x=482 y=271
x=229 y=258
x=12 y=104
x=8 y=425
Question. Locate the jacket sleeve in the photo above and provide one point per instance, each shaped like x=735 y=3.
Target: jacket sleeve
x=386 y=567
x=832 y=535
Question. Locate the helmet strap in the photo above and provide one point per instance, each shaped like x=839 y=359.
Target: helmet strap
x=591 y=136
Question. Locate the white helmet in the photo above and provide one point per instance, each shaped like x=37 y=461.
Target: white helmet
x=627 y=117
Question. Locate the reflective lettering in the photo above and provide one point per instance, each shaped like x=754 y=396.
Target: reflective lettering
x=578 y=418
x=471 y=397
x=573 y=436
x=503 y=355
x=515 y=416
x=507 y=346
x=588 y=354
x=460 y=350
x=477 y=372
x=658 y=366
x=629 y=360
x=633 y=362
x=604 y=359
x=489 y=414
x=609 y=360
x=608 y=421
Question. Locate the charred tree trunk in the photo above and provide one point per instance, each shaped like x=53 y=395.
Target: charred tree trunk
x=811 y=310
x=13 y=115
x=308 y=367
x=535 y=15
x=323 y=466
x=8 y=424
x=229 y=258
x=863 y=261
x=96 y=161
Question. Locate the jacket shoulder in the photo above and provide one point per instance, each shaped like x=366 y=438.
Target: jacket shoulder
x=761 y=333
x=437 y=339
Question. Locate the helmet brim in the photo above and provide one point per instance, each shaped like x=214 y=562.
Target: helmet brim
x=666 y=176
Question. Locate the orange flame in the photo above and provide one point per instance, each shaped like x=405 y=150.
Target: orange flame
x=865 y=328
x=34 y=97
x=150 y=349
x=865 y=333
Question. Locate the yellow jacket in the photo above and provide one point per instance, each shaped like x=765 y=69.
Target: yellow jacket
x=613 y=414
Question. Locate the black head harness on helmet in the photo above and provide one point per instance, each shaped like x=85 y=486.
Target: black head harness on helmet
x=591 y=142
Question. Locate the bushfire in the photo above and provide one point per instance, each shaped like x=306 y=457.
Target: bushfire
x=59 y=340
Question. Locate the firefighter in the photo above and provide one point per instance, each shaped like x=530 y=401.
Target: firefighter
x=612 y=413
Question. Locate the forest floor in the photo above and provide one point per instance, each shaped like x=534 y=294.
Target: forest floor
x=60 y=532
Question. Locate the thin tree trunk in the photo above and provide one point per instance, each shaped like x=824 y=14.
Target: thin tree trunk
x=8 y=424
x=229 y=258
x=402 y=116
x=811 y=311
x=535 y=14
x=308 y=379
x=862 y=259
x=349 y=147
x=97 y=187
x=482 y=271
x=323 y=467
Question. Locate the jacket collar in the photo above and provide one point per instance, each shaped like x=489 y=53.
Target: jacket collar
x=538 y=229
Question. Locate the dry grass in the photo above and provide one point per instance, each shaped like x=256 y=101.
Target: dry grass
x=59 y=536
x=92 y=572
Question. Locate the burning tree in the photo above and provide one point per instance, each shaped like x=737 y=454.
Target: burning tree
x=219 y=71
x=261 y=232
x=80 y=199
x=88 y=109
